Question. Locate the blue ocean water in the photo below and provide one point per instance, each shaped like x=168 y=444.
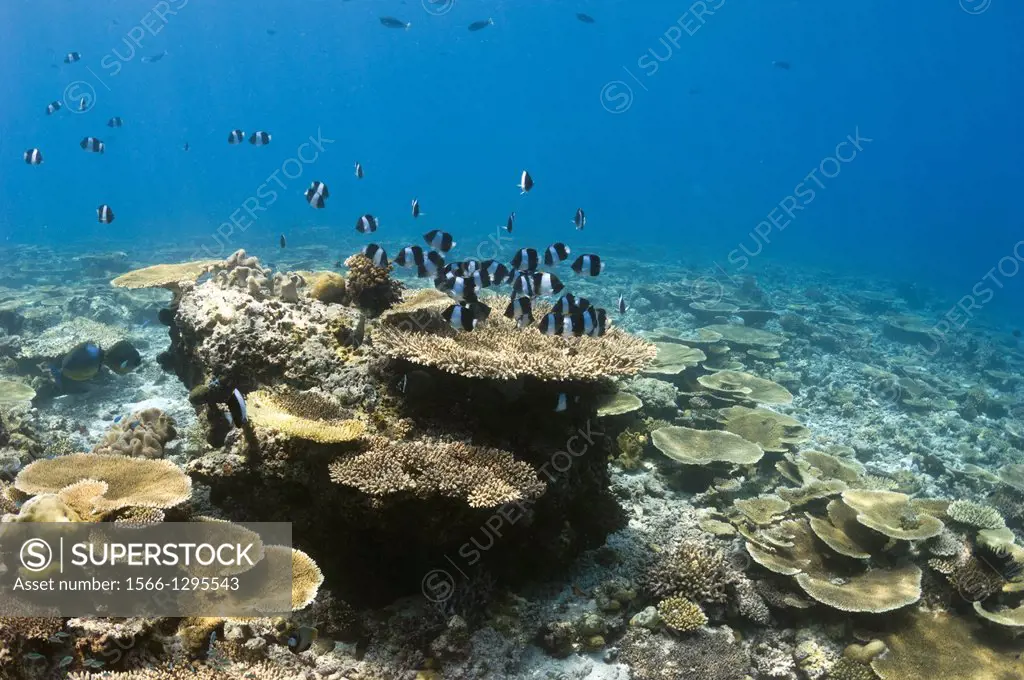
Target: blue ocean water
x=678 y=127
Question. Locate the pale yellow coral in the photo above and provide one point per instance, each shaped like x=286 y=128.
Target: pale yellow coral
x=164 y=275
x=132 y=482
x=303 y=416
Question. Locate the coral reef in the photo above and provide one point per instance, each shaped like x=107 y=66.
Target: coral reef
x=143 y=434
x=371 y=288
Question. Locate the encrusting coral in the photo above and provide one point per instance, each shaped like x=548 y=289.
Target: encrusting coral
x=141 y=434
x=483 y=477
x=327 y=287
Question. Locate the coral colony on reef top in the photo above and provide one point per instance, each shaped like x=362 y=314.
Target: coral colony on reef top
x=716 y=500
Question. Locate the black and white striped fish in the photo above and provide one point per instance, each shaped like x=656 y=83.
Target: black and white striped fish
x=409 y=256
x=433 y=262
x=236 y=137
x=520 y=310
x=555 y=253
x=470 y=266
x=551 y=323
x=72 y=57
x=439 y=240
x=416 y=208
x=259 y=138
x=498 y=272
x=92 y=144
x=367 y=224
x=525 y=182
x=466 y=317
x=33 y=156
x=104 y=214
x=115 y=122
x=588 y=265
x=570 y=304
x=522 y=284
x=317 y=194
x=526 y=259
x=53 y=107
x=622 y=306
x=359 y=170
x=459 y=287
x=376 y=255
x=426 y=263
x=580 y=220
x=587 y=322
x=83 y=104
x=546 y=284
x=511 y=222
x=590 y=321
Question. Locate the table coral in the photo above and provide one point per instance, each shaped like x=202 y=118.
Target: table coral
x=499 y=350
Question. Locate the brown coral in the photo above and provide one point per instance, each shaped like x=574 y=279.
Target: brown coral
x=141 y=434
x=484 y=477
x=327 y=287
x=370 y=287
x=500 y=350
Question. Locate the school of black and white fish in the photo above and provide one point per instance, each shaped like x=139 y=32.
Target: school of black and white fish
x=464 y=280
x=461 y=280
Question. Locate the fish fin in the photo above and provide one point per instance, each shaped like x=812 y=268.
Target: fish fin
x=55 y=372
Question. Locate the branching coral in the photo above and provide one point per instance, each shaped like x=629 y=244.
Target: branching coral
x=695 y=570
x=370 y=287
x=975 y=515
x=707 y=655
x=499 y=350
x=681 y=614
x=484 y=477
x=141 y=434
